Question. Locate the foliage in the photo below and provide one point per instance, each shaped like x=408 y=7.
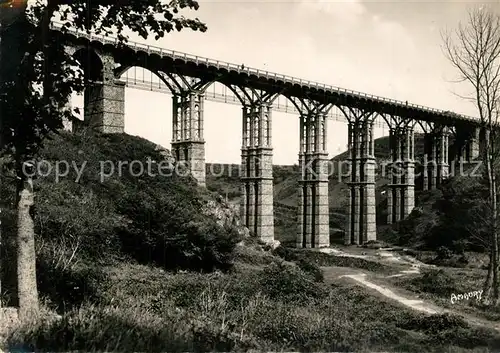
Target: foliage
x=454 y=217
x=281 y=281
x=40 y=74
x=316 y=258
x=67 y=288
x=144 y=310
x=436 y=282
x=156 y=220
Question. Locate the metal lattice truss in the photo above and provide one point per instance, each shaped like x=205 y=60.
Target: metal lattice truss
x=143 y=79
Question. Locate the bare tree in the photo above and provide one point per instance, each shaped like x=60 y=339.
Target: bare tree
x=473 y=48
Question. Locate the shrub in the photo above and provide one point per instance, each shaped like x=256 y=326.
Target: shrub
x=210 y=337
x=67 y=288
x=433 y=323
x=444 y=253
x=289 y=283
x=467 y=337
x=436 y=282
x=312 y=269
x=104 y=328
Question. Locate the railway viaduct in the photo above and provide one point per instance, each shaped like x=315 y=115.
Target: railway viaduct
x=188 y=77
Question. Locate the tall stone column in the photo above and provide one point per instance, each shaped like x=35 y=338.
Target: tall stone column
x=433 y=162
x=465 y=147
x=472 y=145
x=362 y=213
x=188 y=145
x=394 y=175
x=401 y=195
x=485 y=135
x=104 y=102
x=458 y=152
x=409 y=172
x=313 y=210
x=257 y=171
x=426 y=166
x=436 y=157
x=442 y=155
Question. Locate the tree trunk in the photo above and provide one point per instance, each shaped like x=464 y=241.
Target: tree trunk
x=496 y=263
x=486 y=297
x=494 y=244
x=26 y=256
x=492 y=277
x=12 y=48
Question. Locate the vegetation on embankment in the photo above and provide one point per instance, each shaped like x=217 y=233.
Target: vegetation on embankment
x=86 y=222
x=275 y=308
x=450 y=220
x=121 y=292
x=305 y=256
x=438 y=285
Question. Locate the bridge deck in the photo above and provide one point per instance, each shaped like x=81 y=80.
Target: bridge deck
x=161 y=59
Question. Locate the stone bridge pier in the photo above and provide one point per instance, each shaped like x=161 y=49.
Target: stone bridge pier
x=188 y=145
x=104 y=111
x=104 y=97
x=361 y=225
x=256 y=207
x=435 y=166
x=401 y=187
x=313 y=211
x=466 y=145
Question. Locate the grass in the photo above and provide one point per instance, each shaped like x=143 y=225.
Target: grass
x=146 y=309
x=438 y=285
x=326 y=260
x=269 y=300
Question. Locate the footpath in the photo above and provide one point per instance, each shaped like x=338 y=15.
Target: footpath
x=376 y=285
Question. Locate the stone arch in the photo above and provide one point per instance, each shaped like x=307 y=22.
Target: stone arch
x=91 y=62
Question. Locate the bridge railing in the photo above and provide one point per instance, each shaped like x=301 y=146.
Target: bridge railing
x=263 y=73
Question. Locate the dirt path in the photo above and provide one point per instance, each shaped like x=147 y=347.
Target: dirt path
x=378 y=286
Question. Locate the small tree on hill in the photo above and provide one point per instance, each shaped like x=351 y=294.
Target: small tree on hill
x=37 y=77
x=474 y=50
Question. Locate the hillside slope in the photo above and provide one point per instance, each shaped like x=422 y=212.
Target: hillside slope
x=96 y=213
x=110 y=251
x=226 y=182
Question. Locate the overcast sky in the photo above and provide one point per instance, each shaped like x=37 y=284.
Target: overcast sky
x=392 y=49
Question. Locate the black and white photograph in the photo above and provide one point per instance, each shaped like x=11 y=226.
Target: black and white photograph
x=249 y=176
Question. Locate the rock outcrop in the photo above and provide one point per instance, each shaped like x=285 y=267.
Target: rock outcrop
x=225 y=214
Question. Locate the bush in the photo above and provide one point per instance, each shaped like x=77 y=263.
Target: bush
x=435 y=282
x=455 y=217
x=433 y=323
x=443 y=253
x=288 y=283
x=312 y=269
x=67 y=288
x=175 y=236
x=152 y=218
